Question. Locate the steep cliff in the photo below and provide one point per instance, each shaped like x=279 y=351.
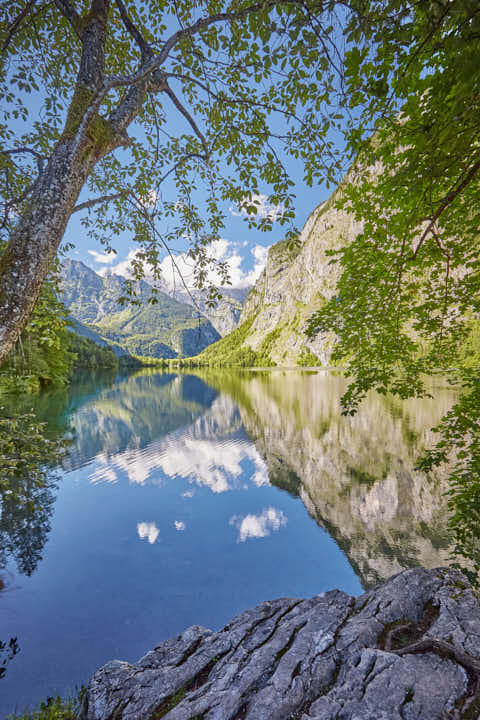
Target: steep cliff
x=296 y=282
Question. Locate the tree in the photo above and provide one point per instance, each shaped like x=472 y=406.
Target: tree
x=410 y=281
x=197 y=85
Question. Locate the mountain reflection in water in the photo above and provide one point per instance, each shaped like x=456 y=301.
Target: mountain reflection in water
x=354 y=474
x=170 y=510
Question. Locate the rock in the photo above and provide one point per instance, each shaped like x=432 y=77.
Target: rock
x=332 y=657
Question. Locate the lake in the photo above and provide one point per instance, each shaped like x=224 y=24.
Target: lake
x=186 y=498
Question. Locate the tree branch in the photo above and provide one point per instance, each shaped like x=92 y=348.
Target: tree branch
x=125 y=193
x=102 y=199
x=145 y=48
x=447 y=200
x=446 y=649
x=132 y=101
x=94 y=36
x=203 y=23
x=39 y=157
x=149 y=220
x=70 y=14
x=16 y=23
x=167 y=89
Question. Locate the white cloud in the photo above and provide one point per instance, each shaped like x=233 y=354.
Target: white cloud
x=150 y=199
x=258 y=526
x=123 y=268
x=188 y=493
x=148 y=531
x=264 y=209
x=220 y=250
x=104 y=258
x=180 y=525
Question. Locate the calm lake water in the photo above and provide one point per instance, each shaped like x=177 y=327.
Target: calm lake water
x=185 y=499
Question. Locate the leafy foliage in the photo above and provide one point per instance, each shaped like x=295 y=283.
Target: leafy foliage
x=460 y=447
x=90 y=355
x=411 y=278
x=408 y=300
x=42 y=355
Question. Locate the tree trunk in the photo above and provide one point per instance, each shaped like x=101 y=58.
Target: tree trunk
x=33 y=245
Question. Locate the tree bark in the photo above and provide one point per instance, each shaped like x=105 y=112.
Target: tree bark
x=87 y=137
x=33 y=244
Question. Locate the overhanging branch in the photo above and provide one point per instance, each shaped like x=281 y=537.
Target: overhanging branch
x=102 y=199
x=444 y=204
x=69 y=13
x=38 y=156
x=167 y=89
x=16 y=24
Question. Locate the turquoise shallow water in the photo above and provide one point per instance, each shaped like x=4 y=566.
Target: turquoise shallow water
x=185 y=499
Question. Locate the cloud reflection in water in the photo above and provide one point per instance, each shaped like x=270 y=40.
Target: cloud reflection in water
x=148 y=531
x=198 y=453
x=258 y=526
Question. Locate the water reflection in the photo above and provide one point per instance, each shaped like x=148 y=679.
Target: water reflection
x=186 y=498
x=258 y=526
x=24 y=526
x=176 y=424
x=354 y=475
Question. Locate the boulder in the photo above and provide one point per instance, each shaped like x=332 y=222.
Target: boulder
x=408 y=649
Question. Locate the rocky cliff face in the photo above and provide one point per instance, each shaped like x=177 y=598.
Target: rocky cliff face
x=409 y=649
x=295 y=283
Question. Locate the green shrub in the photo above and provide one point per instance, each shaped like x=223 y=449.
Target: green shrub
x=308 y=359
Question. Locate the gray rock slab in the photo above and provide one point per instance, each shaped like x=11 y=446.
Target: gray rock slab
x=331 y=657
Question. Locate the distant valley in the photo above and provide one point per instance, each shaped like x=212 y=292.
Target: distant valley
x=169 y=327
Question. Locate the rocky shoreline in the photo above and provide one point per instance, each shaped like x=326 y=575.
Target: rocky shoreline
x=408 y=649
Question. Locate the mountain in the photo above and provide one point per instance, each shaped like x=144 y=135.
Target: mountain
x=295 y=283
x=226 y=312
x=297 y=280
x=87 y=332
x=165 y=328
